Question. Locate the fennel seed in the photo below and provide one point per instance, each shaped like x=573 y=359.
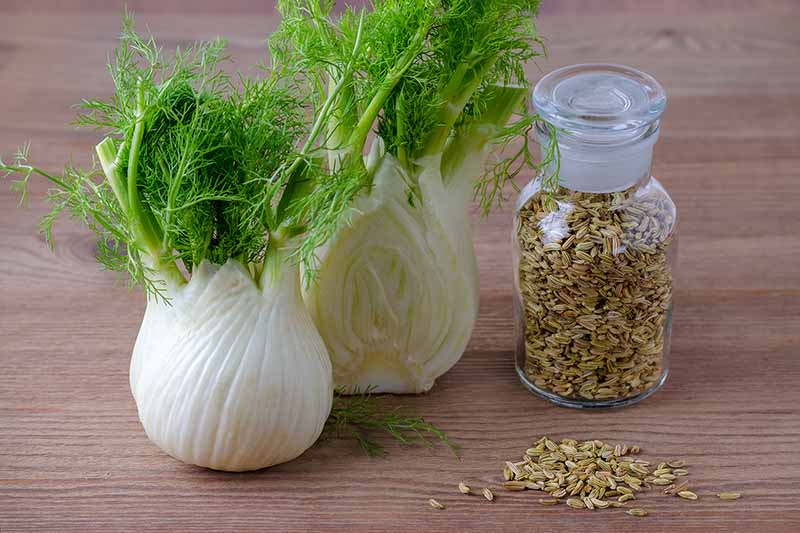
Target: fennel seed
x=576 y=503
x=729 y=495
x=687 y=495
x=637 y=512
x=464 y=488
x=600 y=504
x=514 y=485
x=435 y=504
x=488 y=494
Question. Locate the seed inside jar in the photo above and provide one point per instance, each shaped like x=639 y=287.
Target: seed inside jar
x=595 y=291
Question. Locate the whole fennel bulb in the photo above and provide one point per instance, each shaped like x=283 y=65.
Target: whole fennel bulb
x=192 y=201
x=396 y=297
x=229 y=376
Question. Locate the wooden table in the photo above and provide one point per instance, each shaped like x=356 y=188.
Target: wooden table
x=73 y=456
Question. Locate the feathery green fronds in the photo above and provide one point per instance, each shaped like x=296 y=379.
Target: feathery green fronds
x=362 y=417
x=193 y=166
x=423 y=75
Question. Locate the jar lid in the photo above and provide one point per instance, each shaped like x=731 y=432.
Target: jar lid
x=600 y=103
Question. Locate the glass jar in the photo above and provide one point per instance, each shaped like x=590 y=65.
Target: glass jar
x=594 y=256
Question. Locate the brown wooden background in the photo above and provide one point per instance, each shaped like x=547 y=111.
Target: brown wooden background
x=74 y=458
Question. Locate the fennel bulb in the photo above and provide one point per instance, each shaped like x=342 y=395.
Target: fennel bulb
x=228 y=370
x=229 y=376
x=397 y=294
x=396 y=288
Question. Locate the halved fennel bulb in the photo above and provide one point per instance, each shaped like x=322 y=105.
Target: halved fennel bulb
x=396 y=295
x=229 y=376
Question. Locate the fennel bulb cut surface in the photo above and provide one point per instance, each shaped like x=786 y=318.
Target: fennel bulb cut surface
x=396 y=295
x=229 y=376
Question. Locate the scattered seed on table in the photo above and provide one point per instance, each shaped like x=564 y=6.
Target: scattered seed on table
x=436 y=505
x=729 y=495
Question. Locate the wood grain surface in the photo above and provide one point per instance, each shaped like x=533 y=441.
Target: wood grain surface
x=73 y=456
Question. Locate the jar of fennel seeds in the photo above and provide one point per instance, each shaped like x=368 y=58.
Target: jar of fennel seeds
x=594 y=255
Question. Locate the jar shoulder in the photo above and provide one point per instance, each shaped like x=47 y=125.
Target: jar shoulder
x=654 y=196
x=644 y=215
x=533 y=188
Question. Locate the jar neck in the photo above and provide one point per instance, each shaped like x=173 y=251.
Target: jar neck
x=593 y=167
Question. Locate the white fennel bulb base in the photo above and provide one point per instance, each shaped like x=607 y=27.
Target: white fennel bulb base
x=396 y=295
x=229 y=376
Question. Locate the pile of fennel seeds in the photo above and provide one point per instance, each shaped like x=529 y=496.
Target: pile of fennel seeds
x=590 y=475
x=595 y=475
